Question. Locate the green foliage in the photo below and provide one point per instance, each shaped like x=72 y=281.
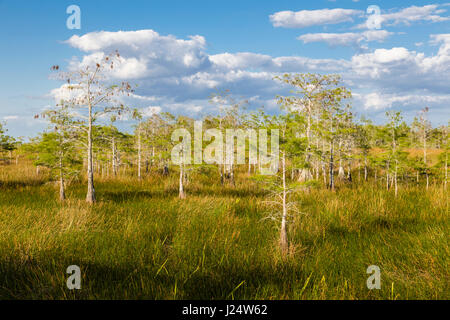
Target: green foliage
x=59 y=156
x=7 y=143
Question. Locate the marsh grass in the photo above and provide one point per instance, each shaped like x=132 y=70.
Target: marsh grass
x=141 y=242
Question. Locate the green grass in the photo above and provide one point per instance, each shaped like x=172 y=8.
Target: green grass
x=141 y=242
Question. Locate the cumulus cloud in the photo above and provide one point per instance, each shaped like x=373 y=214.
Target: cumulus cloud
x=307 y=18
x=406 y=16
x=444 y=39
x=178 y=75
x=401 y=70
x=383 y=61
x=247 y=60
x=411 y=14
x=346 y=39
x=144 y=53
x=382 y=101
x=181 y=70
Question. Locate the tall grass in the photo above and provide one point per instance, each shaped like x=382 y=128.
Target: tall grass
x=141 y=242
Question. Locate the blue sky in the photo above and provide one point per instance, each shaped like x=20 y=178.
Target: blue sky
x=240 y=45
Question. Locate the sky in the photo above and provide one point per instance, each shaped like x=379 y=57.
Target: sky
x=393 y=57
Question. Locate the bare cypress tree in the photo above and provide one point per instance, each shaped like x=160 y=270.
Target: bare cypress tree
x=229 y=117
x=283 y=129
x=58 y=148
x=396 y=132
x=89 y=92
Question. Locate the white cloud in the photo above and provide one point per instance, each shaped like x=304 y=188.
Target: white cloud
x=144 y=53
x=181 y=70
x=241 y=60
x=443 y=39
x=383 y=62
x=411 y=14
x=380 y=101
x=132 y=40
x=376 y=35
x=399 y=69
x=7 y=118
x=64 y=93
x=150 y=110
x=169 y=80
x=346 y=39
x=307 y=18
x=431 y=13
x=333 y=39
x=385 y=55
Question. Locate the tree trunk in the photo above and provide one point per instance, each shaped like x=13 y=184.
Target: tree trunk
x=446 y=175
x=114 y=157
x=317 y=170
x=425 y=148
x=365 y=168
x=221 y=175
x=395 y=179
x=283 y=233
x=305 y=175
x=425 y=154
x=387 y=175
x=181 y=194
x=349 y=173
x=232 y=175
x=331 y=168
x=139 y=152
x=341 y=172
x=90 y=196
x=153 y=155
x=62 y=193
